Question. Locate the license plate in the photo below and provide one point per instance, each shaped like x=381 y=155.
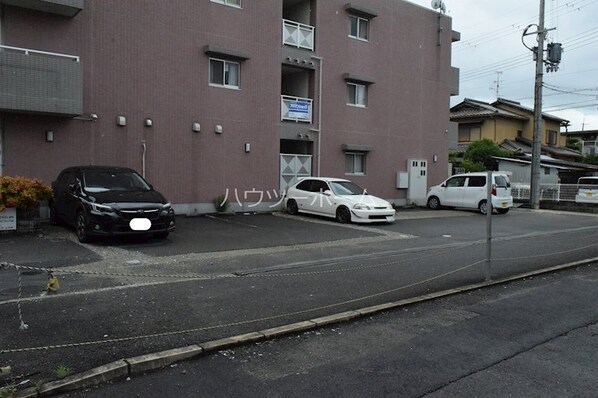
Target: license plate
x=589 y=194
x=504 y=204
x=140 y=224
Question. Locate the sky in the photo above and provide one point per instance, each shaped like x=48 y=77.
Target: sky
x=492 y=57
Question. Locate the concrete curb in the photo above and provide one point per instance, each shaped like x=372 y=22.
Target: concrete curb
x=128 y=367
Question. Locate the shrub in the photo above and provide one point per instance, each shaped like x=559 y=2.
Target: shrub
x=22 y=192
x=221 y=203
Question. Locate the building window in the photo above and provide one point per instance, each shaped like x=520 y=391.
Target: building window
x=358 y=94
x=232 y=3
x=355 y=163
x=224 y=73
x=359 y=27
x=470 y=133
x=551 y=137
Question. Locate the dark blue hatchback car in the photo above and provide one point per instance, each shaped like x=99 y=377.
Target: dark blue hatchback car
x=109 y=201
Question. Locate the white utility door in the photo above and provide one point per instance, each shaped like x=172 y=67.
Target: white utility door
x=418 y=181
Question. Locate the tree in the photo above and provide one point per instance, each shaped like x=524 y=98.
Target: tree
x=590 y=159
x=574 y=143
x=478 y=156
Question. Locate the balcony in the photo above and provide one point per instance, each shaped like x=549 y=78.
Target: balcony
x=454 y=81
x=298 y=35
x=295 y=109
x=67 y=8
x=40 y=82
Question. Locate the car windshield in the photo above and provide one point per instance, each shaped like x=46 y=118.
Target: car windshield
x=502 y=181
x=346 y=188
x=588 y=182
x=104 y=181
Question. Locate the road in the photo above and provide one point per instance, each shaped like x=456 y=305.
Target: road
x=224 y=276
x=530 y=338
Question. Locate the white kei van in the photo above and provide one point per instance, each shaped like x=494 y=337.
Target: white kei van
x=587 y=190
x=469 y=190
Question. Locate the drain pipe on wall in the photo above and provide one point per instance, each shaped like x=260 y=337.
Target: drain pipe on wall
x=143 y=152
x=319 y=129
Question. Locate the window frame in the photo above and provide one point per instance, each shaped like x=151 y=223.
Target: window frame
x=358 y=34
x=356 y=155
x=225 y=62
x=356 y=86
x=229 y=3
x=552 y=138
x=469 y=128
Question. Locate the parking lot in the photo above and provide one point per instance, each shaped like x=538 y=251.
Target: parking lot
x=218 y=276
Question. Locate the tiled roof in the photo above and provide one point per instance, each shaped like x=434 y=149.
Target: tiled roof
x=518 y=105
x=525 y=146
x=470 y=108
x=582 y=133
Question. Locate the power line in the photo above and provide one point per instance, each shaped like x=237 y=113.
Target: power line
x=575 y=42
x=569 y=7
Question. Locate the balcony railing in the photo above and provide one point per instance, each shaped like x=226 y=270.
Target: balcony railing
x=295 y=109
x=43 y=82
x=28 y=51
x=298 y=35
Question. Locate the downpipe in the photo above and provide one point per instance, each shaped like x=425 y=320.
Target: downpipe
x=143 y=152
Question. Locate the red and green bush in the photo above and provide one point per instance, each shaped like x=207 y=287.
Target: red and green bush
x=22 y=193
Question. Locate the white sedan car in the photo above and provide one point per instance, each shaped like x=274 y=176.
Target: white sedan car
x=337 y=198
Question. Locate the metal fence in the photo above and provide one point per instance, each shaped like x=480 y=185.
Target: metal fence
x=550 y=192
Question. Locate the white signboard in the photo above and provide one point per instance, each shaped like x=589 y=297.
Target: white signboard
x=299 y=109
x=8 y=219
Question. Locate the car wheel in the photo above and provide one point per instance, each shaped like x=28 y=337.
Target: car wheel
x=502 y=211
x=292 y=207
x=483 y=207
x=343 y=215
x=54 y=218
x=434 y=203
x=81 y=228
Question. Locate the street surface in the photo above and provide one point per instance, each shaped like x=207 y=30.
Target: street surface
x=531 y=338
x=222 y=276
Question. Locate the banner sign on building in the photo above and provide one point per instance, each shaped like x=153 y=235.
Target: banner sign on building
x=8 y=219
x=299 y=110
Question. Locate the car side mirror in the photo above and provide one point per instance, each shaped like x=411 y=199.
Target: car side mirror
x=327 y=192
x=73 y=188
x=443 y=185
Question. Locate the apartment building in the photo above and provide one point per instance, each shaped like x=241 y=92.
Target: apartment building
x=234 y=97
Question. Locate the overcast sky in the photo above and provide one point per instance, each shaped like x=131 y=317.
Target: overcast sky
x=491 y=51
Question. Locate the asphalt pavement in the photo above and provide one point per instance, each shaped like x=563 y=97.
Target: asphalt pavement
x=129 y=306
x=536 y=337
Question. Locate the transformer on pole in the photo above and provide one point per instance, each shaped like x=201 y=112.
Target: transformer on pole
x=554 y=51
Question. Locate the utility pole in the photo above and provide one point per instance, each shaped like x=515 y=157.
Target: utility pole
x=537 y=142
x=552 y=65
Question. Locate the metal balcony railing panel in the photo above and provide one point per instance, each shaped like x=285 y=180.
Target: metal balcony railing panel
x=296 y=109
x=298 y=35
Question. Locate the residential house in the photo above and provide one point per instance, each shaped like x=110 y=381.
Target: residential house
x=504 y=120
x=235 y=97
x=588 y=140
x=511 y=126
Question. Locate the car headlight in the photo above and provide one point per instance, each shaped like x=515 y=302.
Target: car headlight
x=98 y=208
x=166 y=209
x=361 y=206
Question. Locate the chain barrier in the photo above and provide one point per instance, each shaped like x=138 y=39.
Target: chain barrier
x=53 y=283
x=239 y=323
